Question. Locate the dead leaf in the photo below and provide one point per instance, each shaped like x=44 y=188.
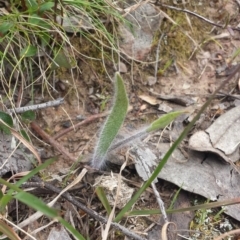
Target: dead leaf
x=151 y=80
x=200 y=141
x=15 y=160
x=165 y=108
x=60 y=234
x=208 y=177
x=149 y=99
x=122 y=67
x=222 y=137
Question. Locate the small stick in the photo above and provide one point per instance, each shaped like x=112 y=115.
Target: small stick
x=157 y=56
x=228 y=234
x=37 y=106
x=53 y=142
x=145 y=174
x=86 y=121
x=196 y=15
x=160 y=202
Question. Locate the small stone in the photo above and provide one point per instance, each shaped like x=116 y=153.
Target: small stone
x=122 y=67
x=186 y=86
x=151 y=80
x=143 y=107
x=165 y=108
x=237 y=102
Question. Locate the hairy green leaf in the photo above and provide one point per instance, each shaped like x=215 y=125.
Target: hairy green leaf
x=160 y=123
x=32 y=5
x=62 y=60
x=112 y=124
x=163 y=121
x=154 y=175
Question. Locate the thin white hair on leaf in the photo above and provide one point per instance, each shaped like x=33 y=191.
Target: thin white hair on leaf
x=112 y=124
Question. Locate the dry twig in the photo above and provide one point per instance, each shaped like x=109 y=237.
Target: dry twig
x=93 y=214
x=86 y=121
x=54 y=103
x=53 y=142
x=196 y=15
x=228 y=234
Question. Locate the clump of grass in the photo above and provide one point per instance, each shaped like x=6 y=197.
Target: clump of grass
x=209 y=223
x=34 y=45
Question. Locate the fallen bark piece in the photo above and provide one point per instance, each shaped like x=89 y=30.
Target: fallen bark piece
x=181 y=100
x=222 y=137
x=13 y=159
x=206 y=176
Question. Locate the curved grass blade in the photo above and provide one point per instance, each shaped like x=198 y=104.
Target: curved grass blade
x=7 y=197
x=180 y=210
x=37 y=204
x=8 y=231
x=103 y=198
x=173 y=147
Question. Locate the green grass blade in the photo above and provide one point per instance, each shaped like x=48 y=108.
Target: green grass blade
x=37 y=204
x=161 y=164
x=174 y=198
x=8 y=231
x=171 y=149
x=6 y=198
x=187 y=209
x=102 y=197
x=35 y=171
x=112 y=124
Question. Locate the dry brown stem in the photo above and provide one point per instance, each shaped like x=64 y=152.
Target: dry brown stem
x=86 y=121
x=52 y=141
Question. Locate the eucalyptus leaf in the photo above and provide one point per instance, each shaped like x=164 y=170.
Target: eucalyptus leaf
x=112 y=124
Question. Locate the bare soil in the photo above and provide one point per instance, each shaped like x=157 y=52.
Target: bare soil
x=91 y=93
